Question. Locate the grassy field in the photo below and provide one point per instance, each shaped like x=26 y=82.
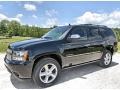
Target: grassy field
x=118 y=46
x=5 y=42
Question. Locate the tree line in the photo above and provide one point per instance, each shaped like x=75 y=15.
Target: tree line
x=14 y=28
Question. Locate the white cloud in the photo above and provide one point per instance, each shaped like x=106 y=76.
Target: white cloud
x=51 y=13
x=30 y=7
x=19 y=15
x=108 y=19
x=15 y=19
x=3 y=17
x=34 y=16
x=50 y=22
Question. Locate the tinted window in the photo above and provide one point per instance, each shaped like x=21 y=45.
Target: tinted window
x=94 y=33
x=106 y=32
x=56 y=33
x=81 y=31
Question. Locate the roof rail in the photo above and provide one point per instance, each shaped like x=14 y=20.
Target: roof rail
x=101 y=25
x=86 y=24
x=95 y=25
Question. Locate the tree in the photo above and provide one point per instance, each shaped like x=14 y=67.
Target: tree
x=117 y=33
x=4 y=26
x=14 y=28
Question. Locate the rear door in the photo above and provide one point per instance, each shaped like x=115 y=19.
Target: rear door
x=96 y=42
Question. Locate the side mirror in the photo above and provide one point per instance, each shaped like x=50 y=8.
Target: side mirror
x=73 y=38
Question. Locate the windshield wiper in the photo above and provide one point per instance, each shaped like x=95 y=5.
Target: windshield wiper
x=47 y=37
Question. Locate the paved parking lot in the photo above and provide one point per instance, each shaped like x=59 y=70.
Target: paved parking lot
x=83 y=77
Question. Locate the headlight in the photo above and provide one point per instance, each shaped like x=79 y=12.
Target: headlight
x=20 y=55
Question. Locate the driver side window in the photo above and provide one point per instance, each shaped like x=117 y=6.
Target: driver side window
x=81 y=31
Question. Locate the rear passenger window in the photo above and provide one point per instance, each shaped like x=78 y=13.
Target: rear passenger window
x=106 y=32
x=94 y=33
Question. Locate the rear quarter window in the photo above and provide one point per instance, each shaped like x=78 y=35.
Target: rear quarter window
x=105 y=32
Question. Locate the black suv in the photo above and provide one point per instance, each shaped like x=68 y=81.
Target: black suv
x=64 y=46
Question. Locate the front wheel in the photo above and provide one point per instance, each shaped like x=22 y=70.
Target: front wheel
x=106 y=59
x=46 y=72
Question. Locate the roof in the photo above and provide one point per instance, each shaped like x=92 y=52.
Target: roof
x=89 y=25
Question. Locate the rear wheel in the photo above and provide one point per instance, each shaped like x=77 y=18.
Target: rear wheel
x=46 y=72
x=106 y=59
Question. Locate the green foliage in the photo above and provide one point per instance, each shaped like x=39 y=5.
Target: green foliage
x=117 y=33
x=3 y=27
x=118 y=46
x=14 y=28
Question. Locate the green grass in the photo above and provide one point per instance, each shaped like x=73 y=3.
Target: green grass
x=5 y=42
x=118 y=46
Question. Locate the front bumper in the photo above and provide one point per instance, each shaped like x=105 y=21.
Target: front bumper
x=20 y=69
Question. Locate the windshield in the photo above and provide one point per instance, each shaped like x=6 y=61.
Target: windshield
x=56 y=33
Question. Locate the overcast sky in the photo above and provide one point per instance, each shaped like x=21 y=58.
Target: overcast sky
x=46 y=14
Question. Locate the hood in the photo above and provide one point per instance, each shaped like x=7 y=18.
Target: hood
x=23 y=44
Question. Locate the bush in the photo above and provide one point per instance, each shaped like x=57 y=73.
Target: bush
x=8 y=35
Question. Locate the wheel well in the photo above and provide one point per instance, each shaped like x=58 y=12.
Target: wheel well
x=54 y=56
x=110 y=48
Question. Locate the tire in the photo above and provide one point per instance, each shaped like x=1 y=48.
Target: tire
x=106 y=59
x=43 y=74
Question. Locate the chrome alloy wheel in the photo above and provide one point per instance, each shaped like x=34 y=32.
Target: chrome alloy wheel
x=107 y=58
x=48 y=73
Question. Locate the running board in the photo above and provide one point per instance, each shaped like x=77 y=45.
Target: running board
x=70 y=66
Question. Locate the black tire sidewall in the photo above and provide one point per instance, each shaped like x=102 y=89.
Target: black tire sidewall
x=101 y=63
x=37 y=68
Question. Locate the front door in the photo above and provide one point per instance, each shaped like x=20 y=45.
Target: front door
x=77 y=52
